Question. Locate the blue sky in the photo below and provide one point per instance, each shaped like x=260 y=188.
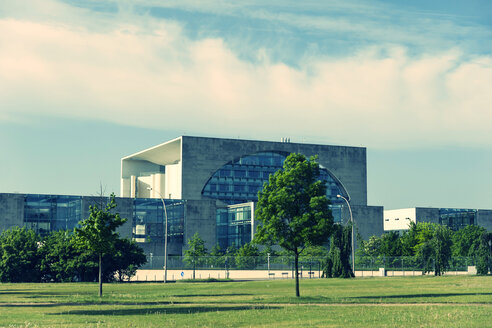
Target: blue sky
x=84 y=83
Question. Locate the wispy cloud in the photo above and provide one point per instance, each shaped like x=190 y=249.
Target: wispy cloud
x=148 y=72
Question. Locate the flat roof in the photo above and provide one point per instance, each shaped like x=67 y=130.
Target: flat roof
x=168 y=152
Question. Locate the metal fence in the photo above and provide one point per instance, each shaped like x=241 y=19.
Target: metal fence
x=409 y=263
x=233 y=263
x=305 y=263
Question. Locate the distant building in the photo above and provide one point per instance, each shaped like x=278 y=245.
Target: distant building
x=209 y=185
x=454 y=218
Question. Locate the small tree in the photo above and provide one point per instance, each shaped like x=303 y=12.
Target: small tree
x=98 y=232
x=127 y=258
x=196 y=249
x=390 y=244
x=293 y=208
x=484 y=258
x=216 y=258
x=19 y=256
x=229 y=260
x=338 y=260
x=466 y=241
x=59 y=257
x=441 y=249
x=246 y=256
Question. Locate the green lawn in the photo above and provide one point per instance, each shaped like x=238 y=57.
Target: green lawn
x=449 y=301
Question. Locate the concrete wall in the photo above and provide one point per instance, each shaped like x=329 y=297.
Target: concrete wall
x=368 y=220
x=11 y=211
x=399 y=219
x=173 y=181
x=484 y=219
x=124 y=208
x=200 y=216
x=136 y=168
x=427 y=214
x=202 y=157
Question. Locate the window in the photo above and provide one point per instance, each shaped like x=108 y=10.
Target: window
x=148 y=217
x=46 y=213
x=234 y=226
x=240 y=180
x=457 y=219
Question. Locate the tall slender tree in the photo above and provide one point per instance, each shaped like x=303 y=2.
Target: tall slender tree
x=98 y=232
x=338 y=259
x=484 y=258
x=196 y=251
x=293 y=208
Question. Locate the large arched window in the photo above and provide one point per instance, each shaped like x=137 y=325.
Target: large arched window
x=240 y=180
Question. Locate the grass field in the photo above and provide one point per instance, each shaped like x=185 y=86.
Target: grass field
x=451 y=301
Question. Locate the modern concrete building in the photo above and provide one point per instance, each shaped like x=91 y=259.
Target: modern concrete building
x=209 y=185
x=189 y=168
x=454 y=218
x=219 y=174
x=45 y=213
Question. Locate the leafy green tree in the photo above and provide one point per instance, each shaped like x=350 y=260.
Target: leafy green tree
x=293 y=209
x=59 y=257
x=195 y=252
x=19 y=258
x=268 y=250
x=216 y=259
x=314 y=252
x=441 y=248
x=390 y=244
x=466 y=241
x=98 y=233
x=126 y=259
x=276 y=257
x=429 y=244
x=416 y=237
x=338 y=260
x=246 y=256
x=370 y=247
x=229 y=257
x=484 y=259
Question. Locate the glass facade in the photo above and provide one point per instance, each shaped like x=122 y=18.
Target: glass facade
x=149 y=220
x=234 y=225
x=45 y=213
x=239 y=181
x=455 y=219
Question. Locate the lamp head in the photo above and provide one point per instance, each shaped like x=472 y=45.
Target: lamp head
x=149 y=188
x=339 y=196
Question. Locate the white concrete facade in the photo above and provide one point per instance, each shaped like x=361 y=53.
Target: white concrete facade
x=153 y=172
x=396 y=220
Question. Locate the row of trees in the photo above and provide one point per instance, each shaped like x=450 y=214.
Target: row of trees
x=243 y=257
x=432 y=246
x=293 y=211
x=25 y=256
x=78 y=255
x=246 y=257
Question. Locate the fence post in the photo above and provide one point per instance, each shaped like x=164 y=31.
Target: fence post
x=292 y=266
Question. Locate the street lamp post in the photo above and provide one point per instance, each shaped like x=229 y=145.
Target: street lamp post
x=165 y=234
x=351 y=221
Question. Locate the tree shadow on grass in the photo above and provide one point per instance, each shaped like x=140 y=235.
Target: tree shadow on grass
x=436 y=295
x=35 y=293
x=166 y=310
x=34 y=305
x=16 y=292
x=210 y=295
